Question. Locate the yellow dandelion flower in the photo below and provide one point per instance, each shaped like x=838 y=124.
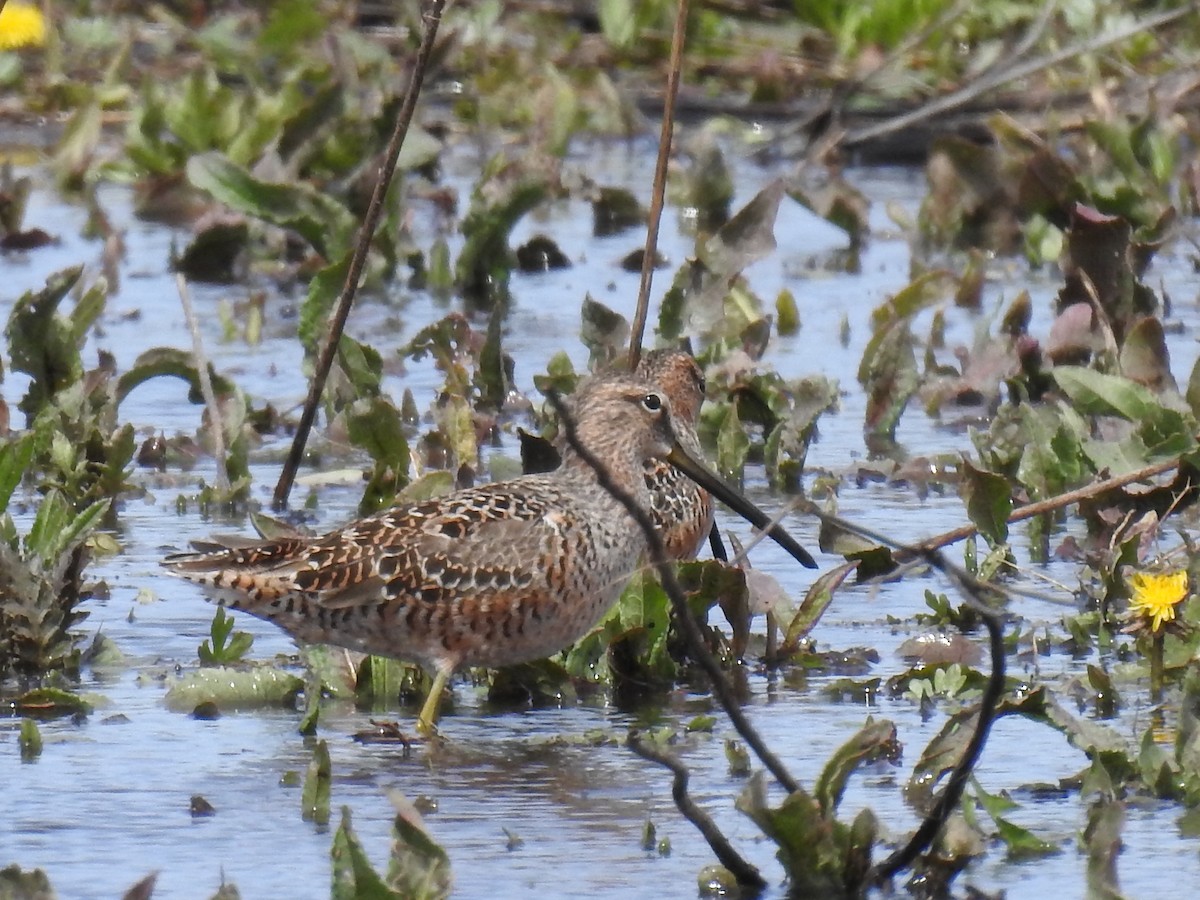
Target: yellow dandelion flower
x=21 y=25
x=1155 y=596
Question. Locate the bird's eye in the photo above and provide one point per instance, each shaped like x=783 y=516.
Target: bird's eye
x=652 y=402
x=702 y=384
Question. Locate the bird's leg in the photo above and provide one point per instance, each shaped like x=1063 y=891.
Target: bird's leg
x=427 y=720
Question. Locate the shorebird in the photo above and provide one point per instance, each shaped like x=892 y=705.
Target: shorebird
x=680 y=509
x=493 y=575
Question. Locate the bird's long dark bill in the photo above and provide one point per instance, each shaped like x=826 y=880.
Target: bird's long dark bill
x=700 y=474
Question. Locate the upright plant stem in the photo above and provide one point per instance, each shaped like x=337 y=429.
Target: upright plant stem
x=660 y=185
x=206 y=388
x=1156 y=667
x=432 y=17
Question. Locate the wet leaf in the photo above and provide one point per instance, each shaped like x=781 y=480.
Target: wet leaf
x=234 y=688
x=812 y=848
x=875 y=740
x=614 y=210
x=14 y=461
x=541 y=254
x=419 y=867
x=1144 y=357
x=705 y=185
x=560 y=375
x=380 y=680
x=506 y=191
x=314 y=797
x=1102 y=839
x=816 y=601
x=19 y=885
x=143 y=890
x=490 y=378
x=1020 y=842
x=214 y=250
x=989 y=502
x=748 y=237
x=225 y=645
x=49 y=703
x=733 y=447
x=321 y=220
x=168 y=361
x=354 y=878
x=787 y=314
x=605 y=332
x=738 y=759
x=29 y=740
x=888 y=373
x=323 y=290
x=43 y=344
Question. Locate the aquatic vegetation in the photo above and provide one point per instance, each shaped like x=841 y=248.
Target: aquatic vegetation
x=21 y=25
x=1154 y=597
x=257 y=132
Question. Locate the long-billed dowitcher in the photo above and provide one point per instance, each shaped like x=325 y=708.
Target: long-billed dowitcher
x=489 y=576
x=680 y=509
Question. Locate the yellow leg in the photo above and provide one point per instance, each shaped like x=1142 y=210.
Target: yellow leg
x=427 y=720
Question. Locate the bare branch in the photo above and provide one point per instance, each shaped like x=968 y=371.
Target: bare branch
x=433 y=17
x=745 y=873
x=660 y=186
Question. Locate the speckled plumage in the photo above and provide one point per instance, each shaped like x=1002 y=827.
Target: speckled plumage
x=493 y=575
x=680 y=509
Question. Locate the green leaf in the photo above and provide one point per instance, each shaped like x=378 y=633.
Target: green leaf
x=733 y=447
x=323 y=291
x=318 y=781
x=605 y=332
x=317 y=217
x=419 y=868
x=888 y=373
x=374 y=425
x=231 y=689
x=989 y=502
x=291 y=22
x=29 y=740
x=15 y=456
x=354 y=878
x=168 y=361
x=875 y=740
x=42 y=344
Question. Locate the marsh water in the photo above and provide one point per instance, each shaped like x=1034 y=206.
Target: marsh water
x=108 y=800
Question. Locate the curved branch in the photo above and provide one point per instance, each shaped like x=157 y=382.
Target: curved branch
x=988 y=705
x=747 y=874
x=683 y=615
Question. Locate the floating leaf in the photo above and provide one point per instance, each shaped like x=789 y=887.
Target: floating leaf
x=233 y=689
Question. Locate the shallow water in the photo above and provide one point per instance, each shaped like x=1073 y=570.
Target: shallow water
x=108 y=801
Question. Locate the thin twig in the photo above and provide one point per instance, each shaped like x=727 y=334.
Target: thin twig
x=660 y=186
x=981 y=86
x=1042 y=506
x=947 y=802
x=973 y=591
x=746 y=873
x=683 y=615
x=206 y=388
x=432 y=17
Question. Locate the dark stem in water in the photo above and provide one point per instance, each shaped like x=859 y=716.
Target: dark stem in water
x=432 y=17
